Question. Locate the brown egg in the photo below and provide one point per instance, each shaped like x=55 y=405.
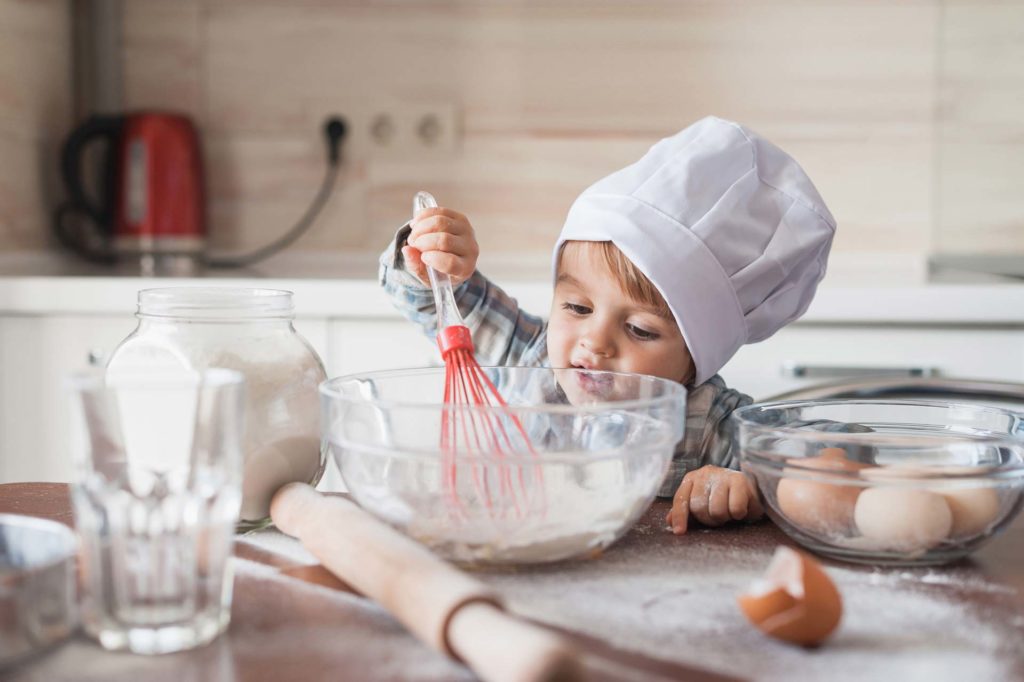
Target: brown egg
x=796 y=601
x=823 y=508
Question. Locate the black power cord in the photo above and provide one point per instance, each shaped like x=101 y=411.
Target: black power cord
x=70 y=235
x=334 y=130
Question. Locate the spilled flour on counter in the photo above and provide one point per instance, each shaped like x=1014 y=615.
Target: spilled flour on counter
x=936 y=577
x=678 y=601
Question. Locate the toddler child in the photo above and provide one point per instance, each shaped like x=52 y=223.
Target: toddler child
x=713 y=239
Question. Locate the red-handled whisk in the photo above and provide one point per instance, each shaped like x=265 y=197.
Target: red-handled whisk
x=476 y=421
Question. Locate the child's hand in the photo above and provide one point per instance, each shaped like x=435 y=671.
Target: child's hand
x=444 y=240
x=714 y=496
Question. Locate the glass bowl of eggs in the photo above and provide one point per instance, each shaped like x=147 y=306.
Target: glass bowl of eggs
x=561 y=471
x=885 y=482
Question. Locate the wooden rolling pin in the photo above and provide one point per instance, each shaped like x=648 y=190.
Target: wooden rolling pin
x=438 y=603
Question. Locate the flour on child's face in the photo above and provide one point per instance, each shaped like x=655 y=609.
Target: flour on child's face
x=595 y=325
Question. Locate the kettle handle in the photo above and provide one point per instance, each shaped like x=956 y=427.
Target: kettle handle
x=107 y=128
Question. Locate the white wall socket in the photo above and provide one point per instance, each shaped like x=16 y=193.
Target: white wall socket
x=401 y=129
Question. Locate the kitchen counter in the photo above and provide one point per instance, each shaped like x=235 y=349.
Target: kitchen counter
x=653 y=607
x=876 y=290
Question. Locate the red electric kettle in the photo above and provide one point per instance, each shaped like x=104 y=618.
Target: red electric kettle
x=150 y=191
x=150 y=188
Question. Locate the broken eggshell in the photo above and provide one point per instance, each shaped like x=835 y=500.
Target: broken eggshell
x=795 y=601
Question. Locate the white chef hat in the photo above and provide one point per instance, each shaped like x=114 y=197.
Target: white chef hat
x=725 y=224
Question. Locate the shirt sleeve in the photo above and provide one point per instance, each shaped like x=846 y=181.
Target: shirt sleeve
x=503 y=334
x=708 y=436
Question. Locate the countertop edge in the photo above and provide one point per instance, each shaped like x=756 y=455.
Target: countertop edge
x=949 y=304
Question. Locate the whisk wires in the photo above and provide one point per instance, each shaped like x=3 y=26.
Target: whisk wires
x=480 y=432
x=476 y=420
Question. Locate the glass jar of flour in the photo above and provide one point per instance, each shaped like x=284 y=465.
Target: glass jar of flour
x=249 y=330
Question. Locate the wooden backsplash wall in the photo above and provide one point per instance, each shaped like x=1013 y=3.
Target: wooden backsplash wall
x=879 y=100
x=35 y=112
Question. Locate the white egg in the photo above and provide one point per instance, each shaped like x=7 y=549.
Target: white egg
x=901 y=519
x=974 y=510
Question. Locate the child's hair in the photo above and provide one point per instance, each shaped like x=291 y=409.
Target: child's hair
x=634 y=283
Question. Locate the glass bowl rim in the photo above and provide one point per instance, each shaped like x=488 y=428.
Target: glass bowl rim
x=677 y=392
x=836 y=438
x=517 y=459
x=980 y=476
x=69 y=543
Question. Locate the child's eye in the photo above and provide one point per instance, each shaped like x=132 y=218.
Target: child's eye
x=576 y=309
x=641 y=333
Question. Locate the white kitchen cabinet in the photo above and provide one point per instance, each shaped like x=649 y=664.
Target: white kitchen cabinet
x=37 y=353
x=365 y=345
x=823 y=353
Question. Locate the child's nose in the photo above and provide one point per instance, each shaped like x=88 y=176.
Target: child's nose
x=597 y=340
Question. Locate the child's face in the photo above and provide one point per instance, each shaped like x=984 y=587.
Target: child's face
x=594 y=324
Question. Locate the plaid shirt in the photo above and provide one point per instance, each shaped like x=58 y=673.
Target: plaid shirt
x=505 y=335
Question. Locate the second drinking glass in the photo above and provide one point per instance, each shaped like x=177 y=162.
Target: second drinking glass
x=157 y=489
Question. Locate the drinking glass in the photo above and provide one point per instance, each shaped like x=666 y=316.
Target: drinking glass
x=157 y=491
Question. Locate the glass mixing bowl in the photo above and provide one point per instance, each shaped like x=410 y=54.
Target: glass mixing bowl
x=591 y=454
x=885 y=482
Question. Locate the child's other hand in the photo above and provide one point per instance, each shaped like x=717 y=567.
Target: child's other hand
x=444 y=240
x=714 y=496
